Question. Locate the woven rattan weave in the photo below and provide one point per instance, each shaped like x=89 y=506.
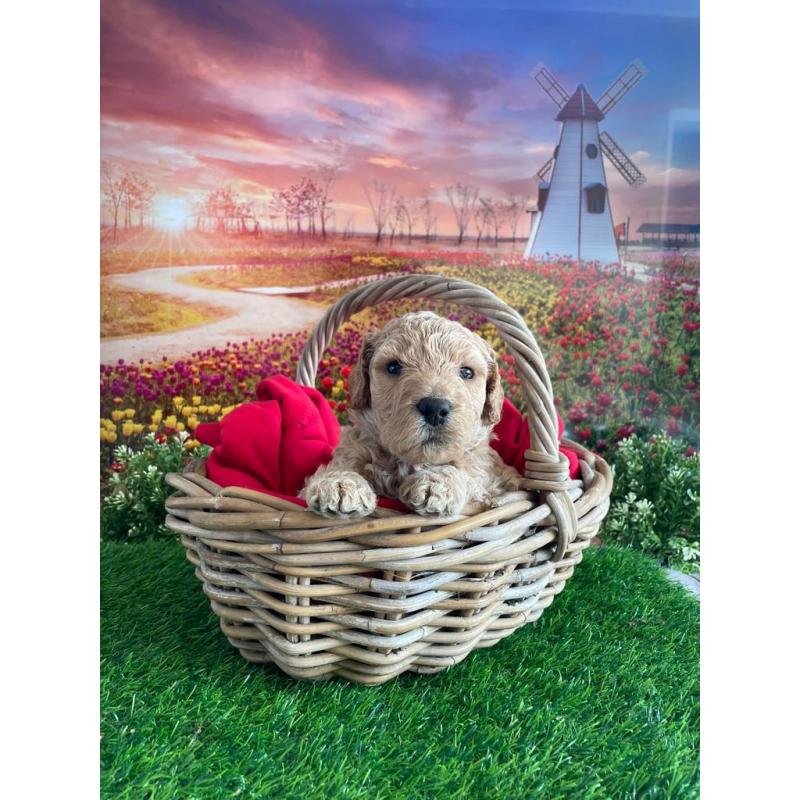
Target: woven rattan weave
x=366 y=600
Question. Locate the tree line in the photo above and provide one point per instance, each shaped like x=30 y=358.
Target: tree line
x=392 y=212
x=307 y=208
x=127 y=193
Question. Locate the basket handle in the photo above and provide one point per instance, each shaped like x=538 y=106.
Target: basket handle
x=546 y=469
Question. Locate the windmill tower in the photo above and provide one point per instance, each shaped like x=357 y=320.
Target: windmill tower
x=574 y=215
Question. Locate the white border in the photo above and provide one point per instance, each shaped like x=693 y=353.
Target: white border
x=749 y=422
x=50 y=266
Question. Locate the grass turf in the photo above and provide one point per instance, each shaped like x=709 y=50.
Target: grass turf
x=599 y=699
x=126 y=312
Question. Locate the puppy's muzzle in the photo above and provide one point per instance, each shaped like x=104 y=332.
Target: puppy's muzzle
x=434 y=410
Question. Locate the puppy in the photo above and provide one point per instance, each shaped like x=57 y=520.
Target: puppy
x=424 y=397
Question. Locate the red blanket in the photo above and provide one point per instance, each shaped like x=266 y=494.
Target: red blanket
x=275 y=442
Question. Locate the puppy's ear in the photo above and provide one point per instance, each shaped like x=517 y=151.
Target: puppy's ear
x=493 y=407
x=360 y=397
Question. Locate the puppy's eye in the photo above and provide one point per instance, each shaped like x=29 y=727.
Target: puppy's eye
x=466 y=373
x=394 y=367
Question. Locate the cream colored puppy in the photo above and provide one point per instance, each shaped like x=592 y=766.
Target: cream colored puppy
x=425 y=395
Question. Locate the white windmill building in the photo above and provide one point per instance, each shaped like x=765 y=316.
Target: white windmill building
x=574 y=215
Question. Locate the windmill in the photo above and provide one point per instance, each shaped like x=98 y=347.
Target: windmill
x=574 y=215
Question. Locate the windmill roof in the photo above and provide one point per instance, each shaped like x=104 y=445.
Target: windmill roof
x=580 y=106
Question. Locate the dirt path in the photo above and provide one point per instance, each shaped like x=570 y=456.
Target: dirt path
x=251 y=315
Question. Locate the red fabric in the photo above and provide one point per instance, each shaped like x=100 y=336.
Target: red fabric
x=513 y=439
x=275 y=442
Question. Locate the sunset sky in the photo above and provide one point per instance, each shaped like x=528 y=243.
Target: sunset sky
x=254 y=93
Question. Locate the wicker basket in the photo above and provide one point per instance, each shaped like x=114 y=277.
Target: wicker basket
x=369 y=599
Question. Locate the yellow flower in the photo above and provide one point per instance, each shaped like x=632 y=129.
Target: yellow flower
x=130 y=413
x=152 y=428
x=138 y=427
x=171 y=421
x=214 y=409
x=111 y=436
x=127 y=428
x=202 y=409
x=227 y=410
x=196 y=400
x=103 y=435
x=157 y=415
x=192 y=423
x=117 y=415
x=190 y=444
x=178 y=402
x=336 y=391
x=180 y=426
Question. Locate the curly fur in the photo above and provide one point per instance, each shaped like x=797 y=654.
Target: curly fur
x=390 y=450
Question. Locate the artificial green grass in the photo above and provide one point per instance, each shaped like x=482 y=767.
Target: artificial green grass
x=599 y=699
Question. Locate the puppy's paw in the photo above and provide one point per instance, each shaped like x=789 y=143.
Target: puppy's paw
x=429 y=492
x=340 y=494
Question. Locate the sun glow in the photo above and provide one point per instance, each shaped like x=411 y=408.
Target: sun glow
x=171 y=213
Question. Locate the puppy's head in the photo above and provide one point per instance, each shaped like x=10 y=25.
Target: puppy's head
x=428 y=387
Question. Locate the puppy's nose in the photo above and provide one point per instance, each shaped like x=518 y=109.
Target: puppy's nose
x=434 y=409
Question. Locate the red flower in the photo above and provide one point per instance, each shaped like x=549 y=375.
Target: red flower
x=625 y=431
x=327 y=383
x=346 y=370
x=653 y=398
x=682 y=369
x=577 y=415
x=585 y=433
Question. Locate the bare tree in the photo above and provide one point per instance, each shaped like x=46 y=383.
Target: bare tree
x=128 y=190
x=223 y=211
x=381 y=202
x=349 y=226
x=143 y=197
x=398 y=215
x=483 y=218
x=462 y=198
x=412 y=215
x=112 y=187
x=277 y=209
x=514 y=206
x=496 y=217
x=428 y=217
x=324 y=178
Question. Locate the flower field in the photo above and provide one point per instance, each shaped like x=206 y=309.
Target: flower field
x=283 y=271
x=623 y=353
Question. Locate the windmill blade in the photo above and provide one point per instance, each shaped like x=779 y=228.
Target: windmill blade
x=616 y=155
x=544 y=171
x=552 y=88
x=621 y=86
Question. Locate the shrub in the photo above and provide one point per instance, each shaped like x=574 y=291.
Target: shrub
x=132 y=506
x=655 y=505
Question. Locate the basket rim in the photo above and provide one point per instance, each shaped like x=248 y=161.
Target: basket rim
x=211 y=507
